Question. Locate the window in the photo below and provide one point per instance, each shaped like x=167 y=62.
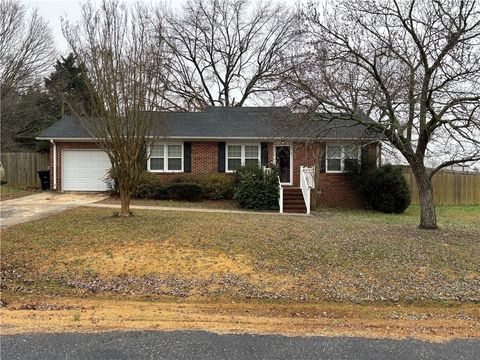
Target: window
x=342 y=158
x=334 y=158
x=251 y=155
x=242 y=155
x=234 y=157
x=157 y=154
x=175 y=157
x=166 y=158
x=351 y=160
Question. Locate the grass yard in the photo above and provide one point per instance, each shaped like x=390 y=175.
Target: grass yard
x=8 y=192
x=449 y=217
x=348 y=258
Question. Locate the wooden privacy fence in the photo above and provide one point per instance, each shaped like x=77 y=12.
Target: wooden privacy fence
x=21 y=167
x=449 y=187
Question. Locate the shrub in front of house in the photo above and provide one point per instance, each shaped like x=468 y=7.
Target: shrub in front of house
x=149 y=187
x=180 y=187
x=384 y=189
x=112 y=183
x=217 y=186
x=184 y=191
x=184 y=178
x=255 y=189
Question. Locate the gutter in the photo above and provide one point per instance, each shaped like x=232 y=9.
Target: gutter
x=69 y=139
x=218 y=138
x=54 y=164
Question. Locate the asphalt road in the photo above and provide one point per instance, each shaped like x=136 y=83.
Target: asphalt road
x=180 y=345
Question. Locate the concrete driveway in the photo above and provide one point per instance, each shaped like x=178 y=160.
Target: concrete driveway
x=28 y=208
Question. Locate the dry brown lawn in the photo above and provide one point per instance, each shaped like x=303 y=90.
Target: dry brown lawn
x=94 y=271
x=8 y=192
x=102 y=313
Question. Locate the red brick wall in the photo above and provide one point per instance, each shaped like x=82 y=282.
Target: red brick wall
x=204 y=157
x=304 y=154
x=270 y=153
x=51 y=167
x=335 y=190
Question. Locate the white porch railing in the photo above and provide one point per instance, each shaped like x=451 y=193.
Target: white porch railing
x=280 y=197
x=307 y=183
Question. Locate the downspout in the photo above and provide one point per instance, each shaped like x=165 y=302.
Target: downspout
x=54 y=164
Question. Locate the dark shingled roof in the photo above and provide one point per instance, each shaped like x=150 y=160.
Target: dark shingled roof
x=232 y=123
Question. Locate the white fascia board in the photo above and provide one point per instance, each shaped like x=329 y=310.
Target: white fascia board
x=67 y=139
x=205 y=138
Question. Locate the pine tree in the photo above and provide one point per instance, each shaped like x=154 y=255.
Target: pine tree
x=67 y=84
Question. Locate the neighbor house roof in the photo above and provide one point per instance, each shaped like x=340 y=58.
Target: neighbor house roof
x=229 y=123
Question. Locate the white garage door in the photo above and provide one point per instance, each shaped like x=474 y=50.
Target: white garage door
x=84 y=170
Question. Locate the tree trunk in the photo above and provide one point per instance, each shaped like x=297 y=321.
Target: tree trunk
x=428 y=217
x=125 y=202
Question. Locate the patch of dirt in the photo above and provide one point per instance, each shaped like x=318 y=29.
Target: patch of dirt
x=401 y=321
x=157 y=258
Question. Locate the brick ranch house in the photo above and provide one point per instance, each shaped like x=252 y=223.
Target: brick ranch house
x=218 y=140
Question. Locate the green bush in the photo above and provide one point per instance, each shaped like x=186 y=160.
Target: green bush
x=112 y=183
x=183 y=178
x=384 y=189
x=180 y=187
x=217 y=186
x=184 y=191
x=255 y=189
x=149 y=187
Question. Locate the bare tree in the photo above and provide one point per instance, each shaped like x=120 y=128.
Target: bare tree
x=225 y=52
x=26 y=46
x=413 y=66
x=115 y=44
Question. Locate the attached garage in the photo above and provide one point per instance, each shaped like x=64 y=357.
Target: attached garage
x=84 y=170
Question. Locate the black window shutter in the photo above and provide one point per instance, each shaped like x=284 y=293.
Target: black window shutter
x=364 y=160
x=144 y=157
x=221 y=157
x=323 y=157
x=187 y=157
x=264 y=154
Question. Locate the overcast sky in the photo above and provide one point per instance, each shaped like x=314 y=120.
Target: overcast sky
x=53 y=10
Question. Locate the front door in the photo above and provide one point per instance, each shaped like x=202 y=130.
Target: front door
x=282 y=154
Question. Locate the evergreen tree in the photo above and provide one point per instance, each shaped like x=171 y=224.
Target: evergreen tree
x=28 y=111
x=24 y=115
x=67 y=83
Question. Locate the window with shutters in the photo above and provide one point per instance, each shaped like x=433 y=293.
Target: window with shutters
x=342 y=158
x=166 y=157
x=238 y=155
